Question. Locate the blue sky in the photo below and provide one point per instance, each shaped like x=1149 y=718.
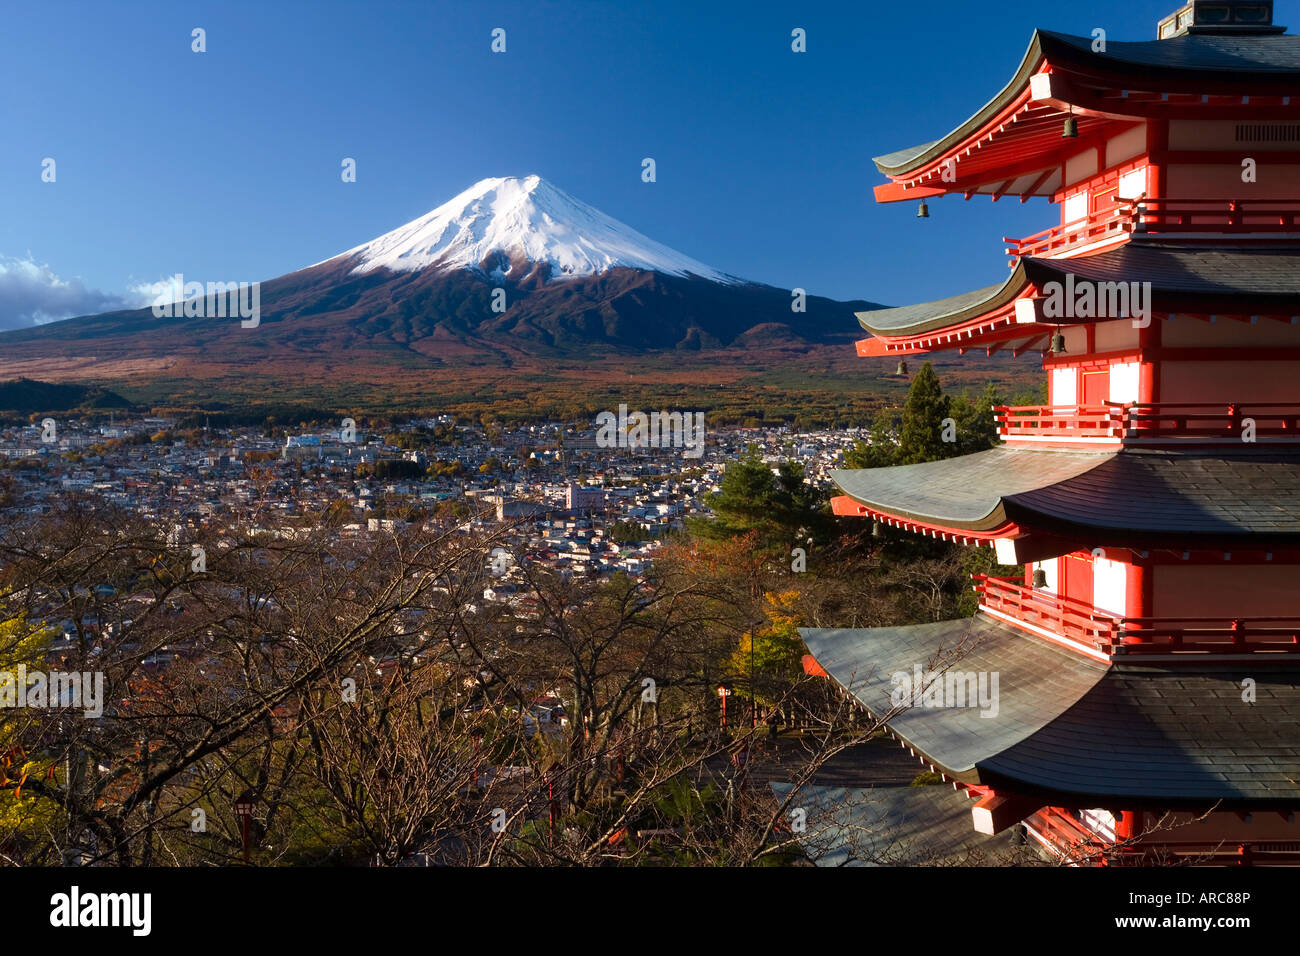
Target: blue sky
x=226 y=164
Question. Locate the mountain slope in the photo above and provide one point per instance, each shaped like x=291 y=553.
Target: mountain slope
x=25 y=396
x=509 y=271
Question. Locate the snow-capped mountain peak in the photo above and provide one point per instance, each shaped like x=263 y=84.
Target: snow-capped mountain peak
x=522 y=218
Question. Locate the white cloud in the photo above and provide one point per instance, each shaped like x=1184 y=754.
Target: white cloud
x=31 y=294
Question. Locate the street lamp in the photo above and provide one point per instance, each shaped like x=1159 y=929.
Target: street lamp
x=753 y=709
x=724 y=692
x=244 y=810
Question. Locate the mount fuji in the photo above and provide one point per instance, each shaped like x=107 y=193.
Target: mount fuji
x=530 y=221
x=510 y=271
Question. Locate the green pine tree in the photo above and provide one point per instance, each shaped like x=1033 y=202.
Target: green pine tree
x=977 y=429
x=781 y=507
x=878 y=451
x=921 y=438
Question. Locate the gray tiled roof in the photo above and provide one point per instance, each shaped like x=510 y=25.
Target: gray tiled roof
x=1214 y=276
x=1175 y=269
x=894 y=826
x=903 y=156
x=964 y=492
x=1225 y=63
x=1164 y=496
x=1036 y=682
x=1181 y=494
x=1171 y=733
x=923 y=316
x=1194 y=52
x=1179 y=735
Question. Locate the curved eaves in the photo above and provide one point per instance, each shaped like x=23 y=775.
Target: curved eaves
x=943 y=313
x=905 y=160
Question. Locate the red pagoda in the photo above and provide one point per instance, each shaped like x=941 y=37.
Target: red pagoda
x=1147 y=664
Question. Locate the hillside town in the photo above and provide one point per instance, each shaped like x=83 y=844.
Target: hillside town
x=568 y=503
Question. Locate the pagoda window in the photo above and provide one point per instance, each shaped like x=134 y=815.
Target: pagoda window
x=1109 y=585
x=1074 y=208
x=1100 y=822
x=1065 y=386
x=1124 y=381
x=1133 y=184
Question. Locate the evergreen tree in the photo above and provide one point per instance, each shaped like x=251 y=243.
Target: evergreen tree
x=921 y=438
x=878 y=451
x=781 y=507
x=977 y=429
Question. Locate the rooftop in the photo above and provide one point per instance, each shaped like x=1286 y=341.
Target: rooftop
x=1184 y=277
x=1069 y=726
x=1184 y=75
x=1143 y=497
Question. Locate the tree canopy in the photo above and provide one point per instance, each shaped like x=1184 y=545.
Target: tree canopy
x=930 y=426
x=778 y=504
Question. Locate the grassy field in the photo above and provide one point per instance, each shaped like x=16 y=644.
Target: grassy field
x=826 y=386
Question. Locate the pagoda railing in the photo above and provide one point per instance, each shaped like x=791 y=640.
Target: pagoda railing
x=1079 y=846
x=1067 y=617
x=1110 y=222
x=1223 y=421
x=1068 y=837
x=1215 y=215
x=1115 y=635
x=1168 y=215
x=1059 y=421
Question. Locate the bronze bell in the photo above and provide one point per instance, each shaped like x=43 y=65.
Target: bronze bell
x=1058 y=343
x=1040 y=578
x=923 y=211
x=902 y=368
x=1071 y=130
x=876 y=530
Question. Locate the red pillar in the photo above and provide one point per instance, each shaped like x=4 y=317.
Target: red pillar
x=1157 y=150
x=1137 y=587
x=1149 y=363
x=1128 y=825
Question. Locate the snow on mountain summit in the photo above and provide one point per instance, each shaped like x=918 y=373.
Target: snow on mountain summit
x=526 y=218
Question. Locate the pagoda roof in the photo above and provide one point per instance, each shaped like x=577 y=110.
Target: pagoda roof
x=941 y=313
x=1210 y=275
x=1174 y=77
x=1184 y=277
x=1139 y=497
x=1067 y=725
x=893 y=826
x=1228 y=54
x=967 y=492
